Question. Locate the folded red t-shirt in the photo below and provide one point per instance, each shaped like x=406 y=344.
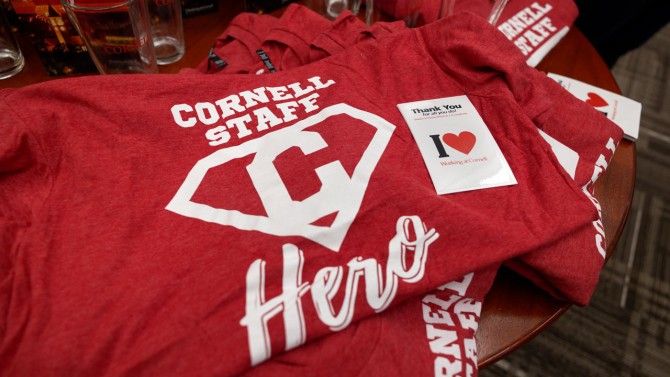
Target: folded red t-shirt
x=535 y=27
x=592 y=144
x=347 y=30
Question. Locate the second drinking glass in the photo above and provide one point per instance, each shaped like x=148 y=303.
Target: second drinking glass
x=117 y=34
x=167 y=30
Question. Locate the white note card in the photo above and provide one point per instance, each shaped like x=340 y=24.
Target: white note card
x=621 y=110
x=456 y=145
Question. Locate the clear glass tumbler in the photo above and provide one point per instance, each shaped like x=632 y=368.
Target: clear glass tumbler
x=167 y=29
x=11 y=58
x=117 y=34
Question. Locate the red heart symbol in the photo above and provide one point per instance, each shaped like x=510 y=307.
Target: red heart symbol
x=463 y=142
x=596 y=100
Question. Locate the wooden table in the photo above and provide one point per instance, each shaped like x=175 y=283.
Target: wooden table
x=515 y=310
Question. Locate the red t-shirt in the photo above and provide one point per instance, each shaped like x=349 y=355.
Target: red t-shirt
x=591 y=143
x=201 y=224
x=347 y=30
x=535 y=27
x=301 y=36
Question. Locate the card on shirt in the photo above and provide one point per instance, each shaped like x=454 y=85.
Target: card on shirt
x=621 y=110
x=456 y=145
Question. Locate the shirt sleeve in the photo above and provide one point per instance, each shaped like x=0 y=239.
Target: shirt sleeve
x=483 y=62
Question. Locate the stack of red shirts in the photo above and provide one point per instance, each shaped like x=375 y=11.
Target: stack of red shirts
x=299 y=37
x=284 y=224
x=302 y=36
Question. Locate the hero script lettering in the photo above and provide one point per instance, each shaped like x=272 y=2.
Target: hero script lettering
x=408 y=251
x=223 y=110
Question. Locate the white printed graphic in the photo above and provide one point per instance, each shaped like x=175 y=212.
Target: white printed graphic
x=533 y=31
x=451 y=320
x=588 y=188
x=565 y=156
x=339 y=193
x=408 y=251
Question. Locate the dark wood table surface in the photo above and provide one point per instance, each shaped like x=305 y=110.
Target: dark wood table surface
x=515 y=310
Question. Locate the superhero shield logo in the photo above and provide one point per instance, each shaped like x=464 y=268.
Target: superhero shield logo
x=341 y=192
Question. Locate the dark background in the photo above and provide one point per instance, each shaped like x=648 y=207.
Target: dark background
x=617 y=26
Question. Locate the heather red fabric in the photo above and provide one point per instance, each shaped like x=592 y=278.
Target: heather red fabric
x=535 y=27
x=347 y=30
x=595 y=144
x=237 y=45
x=418 y=12
x=557 y=264
x=179 y=224
x=382 y=29
x=425 y=336
x=288 y=43
x=559 y=269
x=590 y=142
x=301 y=36
x=285 y=41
